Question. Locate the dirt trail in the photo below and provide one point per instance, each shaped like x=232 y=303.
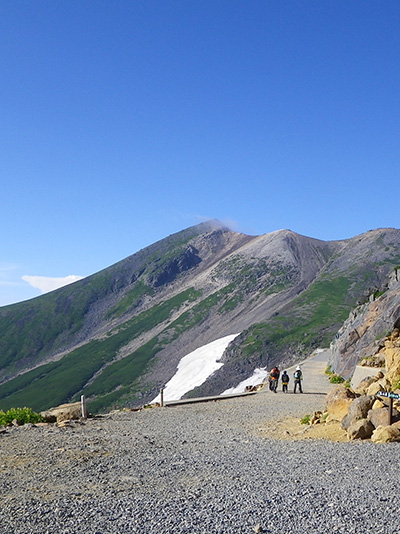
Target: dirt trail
x=316 y=383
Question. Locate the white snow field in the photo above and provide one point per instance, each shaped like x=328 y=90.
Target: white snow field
x=194 y=368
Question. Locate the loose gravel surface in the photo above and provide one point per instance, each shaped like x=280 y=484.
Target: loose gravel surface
x=200 y=468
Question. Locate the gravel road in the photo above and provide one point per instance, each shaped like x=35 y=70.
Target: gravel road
x=201 y=468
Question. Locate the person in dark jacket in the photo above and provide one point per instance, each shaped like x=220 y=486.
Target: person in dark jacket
x=285 y=381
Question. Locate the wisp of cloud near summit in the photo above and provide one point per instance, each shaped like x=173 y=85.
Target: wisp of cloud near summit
x=46 y=283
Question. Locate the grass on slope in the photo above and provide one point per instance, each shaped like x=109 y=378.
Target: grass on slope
x=311 y=321
x=30 y=330
x=58 y=382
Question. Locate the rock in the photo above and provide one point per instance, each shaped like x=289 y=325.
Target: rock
x=396 y=425
x=380 y=416
x=361 y=429
x=358 y=409
x=385 y=434
x=362 y=387
x=316 y=418
x=257 y=387
x=374 y=388
x=64 y=412
x=378 y=404
x=338 y=401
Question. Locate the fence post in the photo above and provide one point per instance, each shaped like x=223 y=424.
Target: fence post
x=83 y=407
x=162 y=396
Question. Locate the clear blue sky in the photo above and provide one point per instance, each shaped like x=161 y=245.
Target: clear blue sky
x=125 y=121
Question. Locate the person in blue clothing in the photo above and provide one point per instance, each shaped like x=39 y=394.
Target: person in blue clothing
x=298 y=377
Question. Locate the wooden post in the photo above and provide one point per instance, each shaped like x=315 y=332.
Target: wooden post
x=390 y=410
x=83 y=407
x=162 y=397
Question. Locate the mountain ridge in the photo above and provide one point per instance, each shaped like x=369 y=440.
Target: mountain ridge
x=119 y=334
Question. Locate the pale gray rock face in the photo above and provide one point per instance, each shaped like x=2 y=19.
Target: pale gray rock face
x=361 y=335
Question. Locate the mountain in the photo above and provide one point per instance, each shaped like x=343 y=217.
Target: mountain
x=118 y=335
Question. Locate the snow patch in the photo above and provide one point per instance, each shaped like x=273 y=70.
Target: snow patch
x=256 y=378
x=194 y=368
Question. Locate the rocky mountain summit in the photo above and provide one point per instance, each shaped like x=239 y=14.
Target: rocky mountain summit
x=117 y=336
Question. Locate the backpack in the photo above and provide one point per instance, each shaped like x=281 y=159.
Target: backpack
x=275 y=372
x=297 y=375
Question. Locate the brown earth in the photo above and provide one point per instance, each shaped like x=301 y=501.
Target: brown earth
x=290 y=429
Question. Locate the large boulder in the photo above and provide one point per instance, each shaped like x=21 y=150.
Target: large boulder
x=385 y=434
x=338 y=401
x=358 y=409
x=64 y=412
x=361 y=429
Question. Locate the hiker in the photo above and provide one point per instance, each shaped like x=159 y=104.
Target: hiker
x=273 y=379
x=285 y=381
x=298 y=377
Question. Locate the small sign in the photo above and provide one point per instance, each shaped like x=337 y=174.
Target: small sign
x=388 y=394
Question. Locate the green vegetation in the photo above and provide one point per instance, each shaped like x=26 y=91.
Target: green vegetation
x=139 y=290
x=21 y=415
x=61 y=381
x=29 y=331
x=311 y=321
x=305 y=420
x=336 y=379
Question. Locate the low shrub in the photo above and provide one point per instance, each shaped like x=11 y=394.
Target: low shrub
x=305 y=420
x=336 y=379
x=21 y=415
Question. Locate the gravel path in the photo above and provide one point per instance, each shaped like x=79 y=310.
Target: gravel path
x=200 y=468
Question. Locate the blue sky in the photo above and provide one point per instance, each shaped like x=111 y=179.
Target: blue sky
x=123 y=122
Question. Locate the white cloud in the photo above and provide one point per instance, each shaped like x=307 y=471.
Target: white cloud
x=46 y=283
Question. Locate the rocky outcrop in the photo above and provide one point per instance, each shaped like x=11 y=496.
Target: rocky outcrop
x=362 y=336
x=371 y=409
x=64 y=412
